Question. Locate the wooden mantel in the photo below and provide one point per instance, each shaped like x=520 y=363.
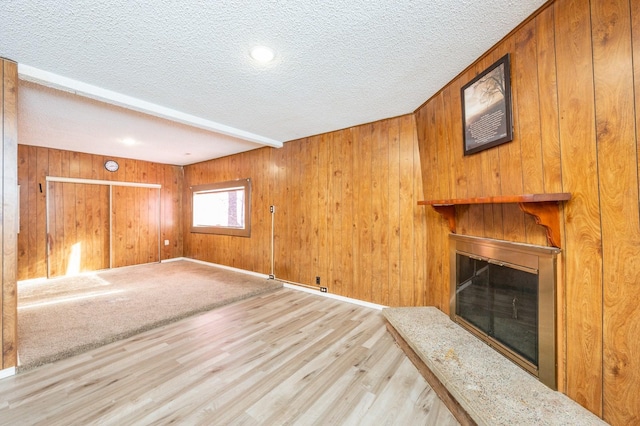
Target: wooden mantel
x=543 y=207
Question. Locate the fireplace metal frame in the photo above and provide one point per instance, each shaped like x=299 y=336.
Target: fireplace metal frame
x=526 y=257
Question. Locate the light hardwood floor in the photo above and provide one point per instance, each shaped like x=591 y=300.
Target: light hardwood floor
x=287 y=357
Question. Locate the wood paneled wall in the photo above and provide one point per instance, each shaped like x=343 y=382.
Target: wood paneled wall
x=35 y=163
x=346 y=211
x=576 y=96
x=8 y=221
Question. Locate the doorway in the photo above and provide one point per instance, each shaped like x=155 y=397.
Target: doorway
x=94 y=225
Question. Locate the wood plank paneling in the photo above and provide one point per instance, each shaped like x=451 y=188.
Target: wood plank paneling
x=365 y=154
x=427 y=156
x=307 y=192
x=87 y=210
x=441 y=240
x=69 y=221
x=419 y=225
x=346 y=233
x=83 y=208
x=511 y=176
x=295 y=205
x=334 y=266
x=393 y=222
x=580 y=177
x=548 y=97
x=551 y=158
x=408 y=248
x=527 y=110
x=380 y=213
x=318 y=208
x=449 y=157
x=37 y=266
x=280 y=190
x=266 y=177
x=124 y=203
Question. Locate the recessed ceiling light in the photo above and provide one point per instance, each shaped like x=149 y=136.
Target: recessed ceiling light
x=129 y=141
x=262 y=54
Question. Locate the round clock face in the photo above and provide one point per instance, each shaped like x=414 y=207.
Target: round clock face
x=111 y=165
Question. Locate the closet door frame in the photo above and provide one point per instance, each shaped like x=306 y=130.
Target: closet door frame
x=110 y=184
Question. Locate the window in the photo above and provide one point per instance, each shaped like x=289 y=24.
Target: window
x=222 y=208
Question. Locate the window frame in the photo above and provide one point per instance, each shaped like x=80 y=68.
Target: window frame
x=221 y=186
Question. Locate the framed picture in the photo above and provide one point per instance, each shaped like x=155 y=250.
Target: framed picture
x=486 y=108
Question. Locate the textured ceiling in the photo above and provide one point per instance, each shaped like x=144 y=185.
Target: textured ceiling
x=338 y=64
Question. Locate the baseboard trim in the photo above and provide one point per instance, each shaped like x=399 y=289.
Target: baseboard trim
x=174 y=259
x=335 y=296
x=7 y=372
x=289 y=285
x=216 y=265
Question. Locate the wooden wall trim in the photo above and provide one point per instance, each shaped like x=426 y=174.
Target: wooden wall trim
x=103 y=182
x=9 y=223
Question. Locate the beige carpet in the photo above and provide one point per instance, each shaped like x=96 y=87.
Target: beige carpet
x=62 y=317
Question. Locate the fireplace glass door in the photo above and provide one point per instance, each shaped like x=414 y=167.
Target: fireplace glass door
x=504 y=293
x=501 y=301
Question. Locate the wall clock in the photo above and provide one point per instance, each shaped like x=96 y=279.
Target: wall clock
x=111 y=165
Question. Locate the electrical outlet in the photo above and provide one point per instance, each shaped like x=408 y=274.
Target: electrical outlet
x=272 y=209
x=317 y=280
x=323 y=289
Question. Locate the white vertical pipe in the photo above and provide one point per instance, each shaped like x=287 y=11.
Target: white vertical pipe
x=273 y=261
x=159 y=225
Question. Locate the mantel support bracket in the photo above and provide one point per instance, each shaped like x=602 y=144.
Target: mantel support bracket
x=546 y=214
x=448 y=213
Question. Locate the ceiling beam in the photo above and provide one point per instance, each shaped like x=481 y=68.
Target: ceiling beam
x=55 y=81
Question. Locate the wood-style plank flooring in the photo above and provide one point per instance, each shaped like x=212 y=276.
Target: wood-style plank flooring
x=288 y=357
